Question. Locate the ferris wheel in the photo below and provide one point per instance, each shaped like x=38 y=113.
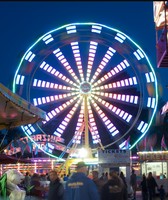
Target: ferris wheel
x=96 y=85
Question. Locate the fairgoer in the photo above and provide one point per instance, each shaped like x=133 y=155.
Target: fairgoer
x=133 y=182
x=98 y=182
x=79 y=186
x=114 y=189
x=56 y=189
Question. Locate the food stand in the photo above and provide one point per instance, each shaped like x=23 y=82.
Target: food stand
x=157 y=163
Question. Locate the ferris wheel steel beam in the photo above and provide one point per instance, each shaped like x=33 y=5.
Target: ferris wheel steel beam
x=86 y=122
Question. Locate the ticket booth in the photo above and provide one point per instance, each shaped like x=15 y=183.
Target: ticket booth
x=115 y=160
x=157 y=163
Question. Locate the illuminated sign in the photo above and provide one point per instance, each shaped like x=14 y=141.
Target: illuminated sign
x=153 y=156
x=114 y=156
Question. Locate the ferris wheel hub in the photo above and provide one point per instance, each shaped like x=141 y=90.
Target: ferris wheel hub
x=85 y=87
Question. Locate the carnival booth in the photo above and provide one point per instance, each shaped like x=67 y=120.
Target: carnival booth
x=114 y=159
x=157 y=163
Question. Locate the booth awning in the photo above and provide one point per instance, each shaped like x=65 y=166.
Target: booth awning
x=4 y=159
x=15 y=111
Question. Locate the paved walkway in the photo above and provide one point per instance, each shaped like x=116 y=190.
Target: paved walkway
x=138 y=197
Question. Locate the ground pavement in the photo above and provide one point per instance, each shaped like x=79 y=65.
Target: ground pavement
x=138 y=197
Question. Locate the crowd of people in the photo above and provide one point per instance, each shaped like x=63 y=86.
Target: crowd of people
x=149 y=186
x=79 y=186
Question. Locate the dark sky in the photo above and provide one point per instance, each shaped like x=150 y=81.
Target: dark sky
x=22 y=23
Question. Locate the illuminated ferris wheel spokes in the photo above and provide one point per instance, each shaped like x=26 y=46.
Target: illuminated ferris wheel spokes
x=79 y=126
x=54 y=113
x=59 y=55
x=95 y=64
x=91 y=57
x=50 y=70
x=106 y=121
x=63 y=125
x=110 y=52
x=132 y=99
x=77 y=56
x=132 y=81
x=93 y=127
x=53 y=98
x=113 y=109
x=119 y=68
x=49 y=85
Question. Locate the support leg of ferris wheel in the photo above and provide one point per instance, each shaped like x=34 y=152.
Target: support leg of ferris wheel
x=79 y=132
x=86 y=123
x=72 y=149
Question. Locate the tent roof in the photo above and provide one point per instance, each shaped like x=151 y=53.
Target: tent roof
x=15 y=111
x=4 y=159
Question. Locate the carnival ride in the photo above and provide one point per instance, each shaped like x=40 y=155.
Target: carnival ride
x=96 y=85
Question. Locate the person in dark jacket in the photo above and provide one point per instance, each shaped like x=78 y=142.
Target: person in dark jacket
x=98 y=182
x=162 y=193
x=133 y=182
x=144 y=188
x=123 y=178
x=37 y=190
x=56 y=189
x=79 y=186
x=151 y=184
x=114 y=189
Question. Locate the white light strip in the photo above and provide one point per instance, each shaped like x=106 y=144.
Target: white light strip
x=119 y=39
x=138 y=54
x=93 y=45
x=46 y=67
x=112 y=72
x=96 y=29
x=71 y=29
x=103 y=116
x=29 y=56
x=76 y=52
x=110 y=52
x=141 y=125
x=66 y=65
x=151 y=102
x=149 y=77
x=57 y=110
x=48 y=38
x=68 y=117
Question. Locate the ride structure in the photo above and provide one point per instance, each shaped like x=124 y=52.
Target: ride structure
x=96 y=85
x=160 y=9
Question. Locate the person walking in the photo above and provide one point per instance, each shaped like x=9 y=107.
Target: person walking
x=114 y=189
x=99 y=183
x=162 y=193
x=151 y=184
x=56 y=189
x=144 y=188
x=79 y=186
x=27 y=184
x=123 y=178
x=133 y=183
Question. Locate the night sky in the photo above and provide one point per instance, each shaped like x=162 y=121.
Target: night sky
x=22 y=23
